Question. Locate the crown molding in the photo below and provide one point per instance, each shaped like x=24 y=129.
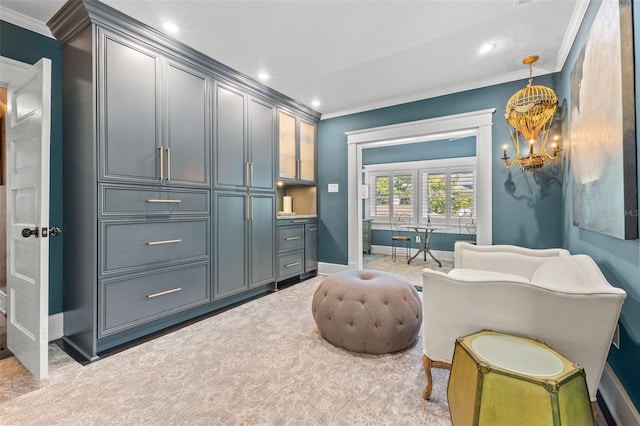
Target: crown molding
x=75 y=16
x=572 y=31
x=24 y=21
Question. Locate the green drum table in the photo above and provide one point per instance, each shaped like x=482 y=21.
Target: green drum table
x=499 y=379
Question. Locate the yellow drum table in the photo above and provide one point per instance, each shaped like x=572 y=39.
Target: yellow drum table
x=498 y=379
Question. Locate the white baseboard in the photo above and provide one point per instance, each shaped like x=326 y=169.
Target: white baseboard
x=439 y=254
x=332 y=268
x=56 y=326
x=3 y=303
x=618 y=402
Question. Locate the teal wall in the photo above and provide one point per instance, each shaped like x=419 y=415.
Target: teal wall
x=432 y=150
x=526 y=209
x=29 y=47
x=619 y=260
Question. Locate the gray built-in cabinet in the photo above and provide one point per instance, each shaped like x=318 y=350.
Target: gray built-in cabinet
x=170 y=165
x=297 y=247
x=245 y=191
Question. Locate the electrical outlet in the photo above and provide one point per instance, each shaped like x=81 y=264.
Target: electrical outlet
x=616 y=337
x=417 y=238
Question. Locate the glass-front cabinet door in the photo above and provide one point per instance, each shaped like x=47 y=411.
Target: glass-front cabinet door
x=307 y=151
x=287 y=145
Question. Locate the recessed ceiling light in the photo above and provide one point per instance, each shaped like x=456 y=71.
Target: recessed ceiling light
x=487 y=48
x=263 y=76
x=315 y=103
x=171 y=27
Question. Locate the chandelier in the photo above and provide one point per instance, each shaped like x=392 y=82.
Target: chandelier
x=530 y=113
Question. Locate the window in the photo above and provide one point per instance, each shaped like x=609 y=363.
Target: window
x=390 y=200
x=437 y=192
x=449 y=196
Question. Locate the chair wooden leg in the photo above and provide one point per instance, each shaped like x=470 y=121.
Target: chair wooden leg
x=428 y=364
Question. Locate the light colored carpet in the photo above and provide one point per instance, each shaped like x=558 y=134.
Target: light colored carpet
x=263 y=363
x=412 y=271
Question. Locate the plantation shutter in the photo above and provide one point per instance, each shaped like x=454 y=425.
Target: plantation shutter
x=463 y=195
x=434 y=196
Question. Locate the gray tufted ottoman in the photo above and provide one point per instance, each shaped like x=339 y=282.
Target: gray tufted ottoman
x=367 y=311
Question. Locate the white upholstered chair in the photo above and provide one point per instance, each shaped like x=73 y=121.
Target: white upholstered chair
x=548 y=295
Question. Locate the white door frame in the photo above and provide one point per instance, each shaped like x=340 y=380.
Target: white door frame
x=478 y=123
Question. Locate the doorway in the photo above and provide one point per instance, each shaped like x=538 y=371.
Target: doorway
x=4 y=351
x=477 y=123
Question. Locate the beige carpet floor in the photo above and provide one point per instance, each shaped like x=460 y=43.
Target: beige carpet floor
x=412 y=271
x=262 y=363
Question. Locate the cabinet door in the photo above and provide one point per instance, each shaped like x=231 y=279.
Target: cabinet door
x=230 y=155
x=307 y=149
x=262 y=234
x=230 y=244
x=287 y=145
x=129 y=111
x=261 y=145
x=187 y=145
x=311 y=247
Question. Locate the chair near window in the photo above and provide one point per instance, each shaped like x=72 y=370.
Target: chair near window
x=400 y=235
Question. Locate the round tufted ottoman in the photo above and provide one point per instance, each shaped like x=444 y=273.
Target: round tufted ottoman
x=367 y=311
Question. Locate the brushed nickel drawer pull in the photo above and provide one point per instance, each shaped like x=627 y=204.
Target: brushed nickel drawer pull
x=313 y=229
x=290 y=265
x=168 y=150
x=161 y=163
x=299 y=221
x=153 y=200
x=291 y=238
x=162 y=293
x=157 y=243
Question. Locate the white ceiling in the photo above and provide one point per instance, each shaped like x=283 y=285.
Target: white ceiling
x=360 y=54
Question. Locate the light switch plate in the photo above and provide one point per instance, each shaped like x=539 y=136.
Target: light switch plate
x=333 y=187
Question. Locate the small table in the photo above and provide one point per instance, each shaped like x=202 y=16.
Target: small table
x=499 y=379
x=425 y=233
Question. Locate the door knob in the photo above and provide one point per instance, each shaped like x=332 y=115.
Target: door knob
x=26 y=232
x=54 y=231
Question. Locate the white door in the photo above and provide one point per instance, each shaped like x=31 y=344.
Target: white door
x=28 y=134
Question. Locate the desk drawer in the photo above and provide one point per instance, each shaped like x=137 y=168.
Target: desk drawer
x=125 y=303
x=129 y=246
x=290 y=265
x=290 y=238
x=128 y=201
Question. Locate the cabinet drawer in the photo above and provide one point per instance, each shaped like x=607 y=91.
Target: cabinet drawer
x=298 y=221
x=129 y=246
x=290 y=265
x=121 y=201
x=128 y=302
x=290 y=238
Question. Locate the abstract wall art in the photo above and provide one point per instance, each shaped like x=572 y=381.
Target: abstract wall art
x=603 y=131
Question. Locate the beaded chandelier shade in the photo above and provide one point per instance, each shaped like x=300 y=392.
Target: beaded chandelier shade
x=530 y=113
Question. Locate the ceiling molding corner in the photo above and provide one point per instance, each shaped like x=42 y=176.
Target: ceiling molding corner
x=24 y=21
x=572 y=31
